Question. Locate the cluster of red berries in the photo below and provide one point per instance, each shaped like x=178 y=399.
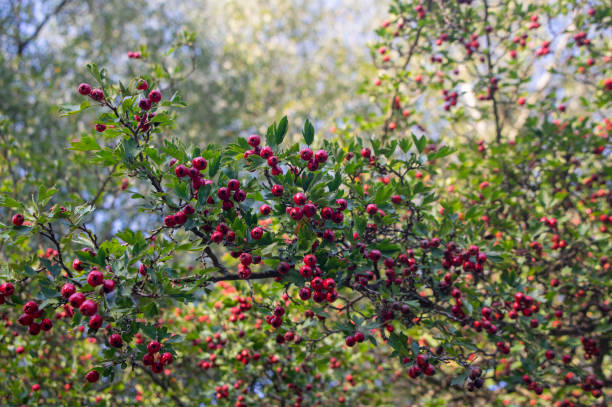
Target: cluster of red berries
x=450 y=98
x=422 y=365
x=288 y=337
x=471 y=45
x=581 y=39
x=590 y=347
x=532 y=385
x=31 y=312
x=244 y=356
x=265 y=152
x=222 y=391
x=155 y=359
x=86 y=90
x=276 y=320
x=534 y=23
x=314 y=160
x=244 y=271
x=471 y=260
x=544 y=49
x=475 y=380
x=237 y=312
x=320 y=289
x=485 y=322
x=215 y=342
x=523 y=303
x=357 y=337
x=522 y=40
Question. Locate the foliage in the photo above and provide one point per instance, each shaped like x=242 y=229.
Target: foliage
x=412 y=258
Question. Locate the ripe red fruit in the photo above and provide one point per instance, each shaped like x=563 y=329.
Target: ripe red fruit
x=142 y=270
x=97 y=95
x=233 y=185
x=100 y=127
x=299 y=198
x=77 y=265
x=95 y=278
x=30 y=308
x=257 y=233
x=371 y=209
x=76 y=299
x=199 y=163
x=266 y=152
x=7 y=289
x=180 y=171
x=265 y=209
x=25 y=319
x=254 y=140
x=321 y=156
x=144 y=104
x=155 y=96
x=305 y=293
x=34 y=328
x=549 y=354
x=374 y=255
x=359 y=337
x=157 y=367
x=92 y=376
x=108 y=285
x=142 y=85
x=309 y=210
x=84 y=89
x=278 y=190
x=306 y=154
x=366 y=153
x=95 y=322
x=296 y=213
x=396 y=199
x=350 y=341
x=153 y=347
x=17 y=219
x=327 y=212
x=310 y=260
x=46 y=324
x=88 y=308
x=166 y=358
x=239 y=195
x=115 y=341
x=246 y=258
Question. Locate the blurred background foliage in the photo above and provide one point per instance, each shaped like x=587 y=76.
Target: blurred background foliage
x=238 y=65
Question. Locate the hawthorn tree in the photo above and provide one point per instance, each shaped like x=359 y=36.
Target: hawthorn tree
x=451 y=249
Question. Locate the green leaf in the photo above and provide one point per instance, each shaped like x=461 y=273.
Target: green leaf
x=308 y=132
x=86 y=143
x=419 y=142
x=281 y=130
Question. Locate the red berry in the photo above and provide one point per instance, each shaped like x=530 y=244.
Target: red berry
x=30 y=308
x=199 y=163
x=306 y=154
x=254 y=140
x=257 y=233
x=265 y=209
x=299 y=198
x=88 y=308
x=84 y=89
x=277 y=190
x=92 y=376
x=115 y=341
x=108 y=286
x=95 y=278
x=76 y=299
x=155 y=96
x=153 y=347
x=95 y=322
x=17 y=219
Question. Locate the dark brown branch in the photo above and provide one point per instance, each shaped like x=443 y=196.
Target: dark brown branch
x=21 y=45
